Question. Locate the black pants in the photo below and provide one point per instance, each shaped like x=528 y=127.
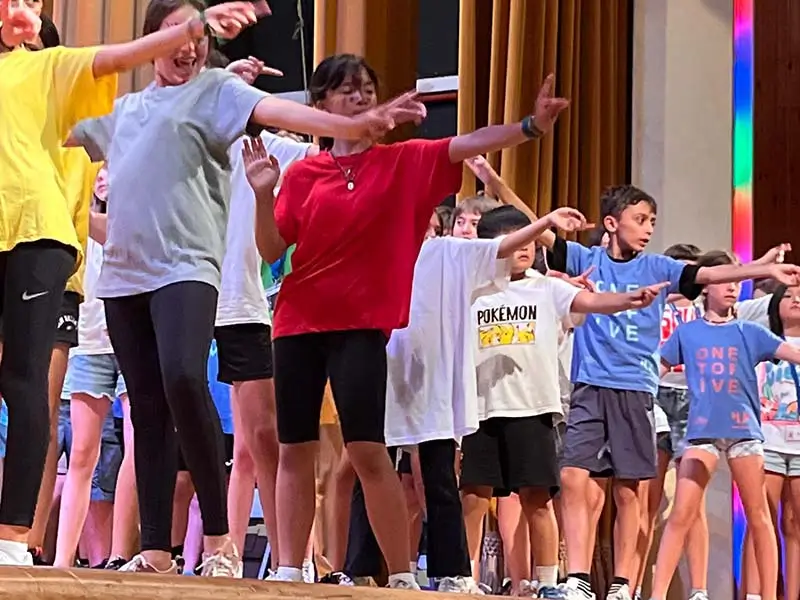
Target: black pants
x=447 y=537
x=162 y=340
x=32 y=281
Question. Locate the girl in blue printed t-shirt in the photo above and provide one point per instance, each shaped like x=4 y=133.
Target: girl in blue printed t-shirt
x=720 y=354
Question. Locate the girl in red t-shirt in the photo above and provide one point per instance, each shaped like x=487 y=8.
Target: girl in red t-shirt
x=358 y=214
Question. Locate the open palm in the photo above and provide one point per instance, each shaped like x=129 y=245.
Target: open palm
x=261 y=169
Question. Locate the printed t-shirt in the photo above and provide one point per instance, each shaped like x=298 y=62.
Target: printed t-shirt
x=720 y=361
x=168 y=180
x=43 y=94
x=516 y=334
x=355 y=255
x=778 y=385
x=242 y=297
x=621 y=351
x=431 y=385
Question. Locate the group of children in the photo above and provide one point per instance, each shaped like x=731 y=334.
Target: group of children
x=498 y=361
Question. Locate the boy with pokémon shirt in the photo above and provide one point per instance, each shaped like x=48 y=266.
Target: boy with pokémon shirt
x=610 y=432
x=516 y=332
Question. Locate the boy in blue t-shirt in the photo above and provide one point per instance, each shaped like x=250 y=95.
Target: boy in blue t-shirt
x=719 y=354
x=615 y=372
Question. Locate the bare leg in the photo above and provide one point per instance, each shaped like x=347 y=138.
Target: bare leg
x=514 y=532
x=651 y=493
x=125 y=533
x=342 y=492
x=541 y=518
x=97 y=531
x=475 y=502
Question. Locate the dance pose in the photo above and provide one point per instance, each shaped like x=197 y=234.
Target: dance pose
x=358 y=215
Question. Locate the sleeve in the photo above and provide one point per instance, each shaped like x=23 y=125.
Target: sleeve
x=681 y=277
x=671 y=350
x=236 y=102
x=563 y=295
x=578 y=258
x=557 y=256
x=286 y=150
x=79 y=94
x=478 y=260
x=761 y=341
x=755 y=310
x=427 y=163
x=286 y=202
x=95 y=135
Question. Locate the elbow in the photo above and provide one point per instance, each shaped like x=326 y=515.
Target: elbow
x=270 y=250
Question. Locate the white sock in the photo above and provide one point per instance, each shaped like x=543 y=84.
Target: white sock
x=638 y=592
x=406 y=577
x=289 y=574
x=753 y=597
x=547 y=576
x=16 y=550
x=412 y=566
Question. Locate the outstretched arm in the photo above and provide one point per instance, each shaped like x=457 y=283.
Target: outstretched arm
x=496 y=137
x=567 y=219
x=786 y=274
x=609 y=303
x=789 y=353
x=226 y=20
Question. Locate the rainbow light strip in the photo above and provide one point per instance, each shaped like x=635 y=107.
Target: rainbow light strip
x=742 y=215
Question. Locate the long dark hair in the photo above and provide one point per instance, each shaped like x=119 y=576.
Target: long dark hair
x=331 y=73
x=159 y=10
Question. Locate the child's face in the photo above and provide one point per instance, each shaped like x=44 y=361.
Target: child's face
x=789 y=309
x=466 y=226
x=434 y=227
x=634 y=228
x=720 y=297
x=522 y=259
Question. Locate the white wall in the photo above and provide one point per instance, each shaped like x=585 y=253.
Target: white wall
x=682 y=155
x=682 y=115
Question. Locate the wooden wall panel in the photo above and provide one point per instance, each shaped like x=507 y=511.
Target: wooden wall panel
x=776 y=125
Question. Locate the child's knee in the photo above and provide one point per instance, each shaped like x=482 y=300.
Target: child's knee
x=370 y=460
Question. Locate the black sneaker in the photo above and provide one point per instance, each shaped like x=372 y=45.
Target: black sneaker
x=37 y=555
x=338 y=578
x=114 y=564
x=82 y=563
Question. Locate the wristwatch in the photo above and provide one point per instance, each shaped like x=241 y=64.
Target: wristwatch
x=529 y=128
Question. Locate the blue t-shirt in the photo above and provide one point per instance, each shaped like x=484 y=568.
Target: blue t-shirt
x=220 y=392
x=720 y=363
x=620 y=351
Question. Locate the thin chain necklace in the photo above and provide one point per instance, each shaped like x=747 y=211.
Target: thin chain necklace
x=348 y=174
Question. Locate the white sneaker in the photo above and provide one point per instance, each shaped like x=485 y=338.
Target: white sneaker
x=525 y=589
x=309 y=572
x=7 y=560
x=571 y=591
x=139 y=564
x=459 y=585
x=403 y=584
x=623 y=593
x=699 y=595
x=225 y=562
x=274 y=576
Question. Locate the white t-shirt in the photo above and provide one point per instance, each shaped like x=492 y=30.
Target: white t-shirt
x=517 y=333
x=779 y=417
x=755 y=310
x=92 y=331
x=242 y=298
x=431 y=391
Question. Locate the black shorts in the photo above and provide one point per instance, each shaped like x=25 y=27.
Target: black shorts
x=67 y=324
x=511 y=453
x=404 y=463
x=244 y=352
x=228 y=441
x=355 y=363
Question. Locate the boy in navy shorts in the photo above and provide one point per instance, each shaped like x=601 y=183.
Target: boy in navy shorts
x=615 y=370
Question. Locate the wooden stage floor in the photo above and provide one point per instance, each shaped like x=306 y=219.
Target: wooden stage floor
x=42 y=583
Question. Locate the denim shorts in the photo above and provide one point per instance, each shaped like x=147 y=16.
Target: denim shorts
x=675 y=404
x=729 y=447
x=96 y=375
x=104 y=480
x=781 y=463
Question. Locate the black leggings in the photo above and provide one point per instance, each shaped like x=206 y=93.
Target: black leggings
x=162 y=340
x=32 y=281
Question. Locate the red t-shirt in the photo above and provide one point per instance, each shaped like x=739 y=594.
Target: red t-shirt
x=354 y=261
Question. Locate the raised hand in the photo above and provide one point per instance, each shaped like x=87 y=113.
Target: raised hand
x=228 y=19
x=261 y=169
x=786 y=274
x=482 y=169
x=581 y=281
x=775 y=255
x=250 y=68
x=548 y=107
x=645 y=296
x=379 y=121
x=568 y=219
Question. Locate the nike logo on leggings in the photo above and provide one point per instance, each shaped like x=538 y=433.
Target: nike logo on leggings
x=26 y=296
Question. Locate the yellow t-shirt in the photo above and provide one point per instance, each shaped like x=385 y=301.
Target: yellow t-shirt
x=43 y=95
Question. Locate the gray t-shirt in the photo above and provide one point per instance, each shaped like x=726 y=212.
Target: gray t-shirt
x=169 y=180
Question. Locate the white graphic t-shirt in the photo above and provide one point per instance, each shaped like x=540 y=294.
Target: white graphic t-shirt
x=516 y=333
x=242 y=298
x=431 y=391
x=777 y=386
x=92 y=330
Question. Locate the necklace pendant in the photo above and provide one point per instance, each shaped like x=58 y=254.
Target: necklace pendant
x=350 y=186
